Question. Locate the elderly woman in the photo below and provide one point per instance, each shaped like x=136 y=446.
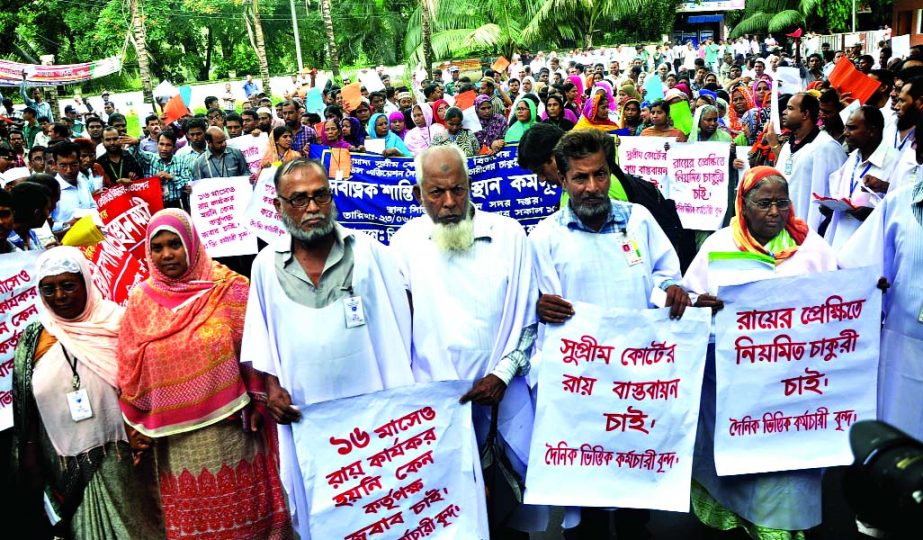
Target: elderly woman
x=332 y=135
x=380 y=128
x=77 y=452
x=421 y=137
x=769 y=505
x=493 y=126
x=457 y=135
x=191 y=400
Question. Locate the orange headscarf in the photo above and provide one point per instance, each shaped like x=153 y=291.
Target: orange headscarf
x=736 y=126
x=797 y=228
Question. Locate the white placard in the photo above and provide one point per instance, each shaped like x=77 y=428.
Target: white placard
x=796 y=364
x=900 y=47
x=401 y=462
x=370 y=80
x=18 y=307
x=743 y=153
x=617 y=409
x=646 y=158
x=375 y=146
x=261 y=215
x=789 y=81
x=699 y=183
x=217 y=209
x=253 y=149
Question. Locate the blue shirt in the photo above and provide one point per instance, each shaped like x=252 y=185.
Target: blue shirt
x=72 y=198
x=41 y=108
x=251 y=88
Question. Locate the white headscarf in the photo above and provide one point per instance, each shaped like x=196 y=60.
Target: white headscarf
x=92 y=337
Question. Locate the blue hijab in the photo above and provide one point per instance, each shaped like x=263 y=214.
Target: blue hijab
x=391 y=139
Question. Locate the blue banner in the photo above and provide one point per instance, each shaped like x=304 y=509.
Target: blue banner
x=377 y=197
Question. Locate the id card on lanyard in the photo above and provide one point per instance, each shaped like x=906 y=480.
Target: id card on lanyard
x=631 y=250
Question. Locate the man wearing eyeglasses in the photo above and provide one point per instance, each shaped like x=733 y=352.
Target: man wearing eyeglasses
x=469 y=273
x=327 y=317
x=76 y=191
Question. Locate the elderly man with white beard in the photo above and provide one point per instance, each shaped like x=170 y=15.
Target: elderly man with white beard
x=327 y=318
x=469 y=275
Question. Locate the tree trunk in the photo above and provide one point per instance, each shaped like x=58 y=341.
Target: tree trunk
x=261 y=47
x=140 y=40
x=331 y=41
x=209 y=45
x=427 y=38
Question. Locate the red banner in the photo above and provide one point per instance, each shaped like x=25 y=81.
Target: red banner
x=119 y=259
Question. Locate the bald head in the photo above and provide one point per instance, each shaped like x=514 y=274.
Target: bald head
x=440 y=160
x=216 y=139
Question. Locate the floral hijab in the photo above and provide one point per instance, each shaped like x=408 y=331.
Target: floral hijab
x=492 y=128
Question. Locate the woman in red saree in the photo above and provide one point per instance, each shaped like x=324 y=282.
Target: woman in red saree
x=187 y=397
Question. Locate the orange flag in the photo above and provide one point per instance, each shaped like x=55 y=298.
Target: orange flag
x=501 y=64
x=846 y=78
x=352 y=96
x=175 y=109
x=465 y=99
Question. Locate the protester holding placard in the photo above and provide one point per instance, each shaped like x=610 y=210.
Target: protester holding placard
x=380 y=128
x=765 y=239
x=599 y=251
x=342 y=286
x=220 y=161
x=469 y=273
x=890 y=240
x=185 y=391
x=69 y=435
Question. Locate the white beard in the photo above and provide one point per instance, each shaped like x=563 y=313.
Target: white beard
x=454 y=237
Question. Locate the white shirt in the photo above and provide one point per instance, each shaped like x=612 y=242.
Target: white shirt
x=808 y=171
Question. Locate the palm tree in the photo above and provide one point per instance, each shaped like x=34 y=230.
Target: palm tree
x=331 y=40
x=571 y=19
x=140 y=40
x=260 y=45
x=764 y=16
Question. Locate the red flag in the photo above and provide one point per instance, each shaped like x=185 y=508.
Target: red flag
x=175 y=109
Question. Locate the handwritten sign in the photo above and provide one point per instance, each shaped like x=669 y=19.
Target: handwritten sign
x=261 y=215
x=253 y=149
x=618 y=406
x=118 y=261
x=401 y=463
x=796 y=363
x=646 y=158
x=218 y=205
x=377 y=198
x=699 y=183
x=18 y=307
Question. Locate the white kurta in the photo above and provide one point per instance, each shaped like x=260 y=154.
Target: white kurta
x=469 y=311
x=581 y=266
x=907 y=158
x=316 y=357
x=892 y=239
x=789 y=500
x=808 y=171
x=846 y=182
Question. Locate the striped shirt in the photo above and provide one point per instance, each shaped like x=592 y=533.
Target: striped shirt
x=178 y=166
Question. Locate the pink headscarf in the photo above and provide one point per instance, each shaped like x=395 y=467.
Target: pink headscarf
x=93 y=337
x=398 y=115
x=168 y=292
x=578 y=82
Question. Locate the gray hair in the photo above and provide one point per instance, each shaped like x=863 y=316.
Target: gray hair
x=771 y=179
x=425 y=156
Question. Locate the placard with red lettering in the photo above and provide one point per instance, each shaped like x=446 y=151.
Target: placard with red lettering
x=400 y=463
x=118 y=261
x=253 y=149
x=699 y=183
x=796 y=364
x=18 y=307
x=261 y=215
x=218 y=206
x=646 y=158
x=617 y=409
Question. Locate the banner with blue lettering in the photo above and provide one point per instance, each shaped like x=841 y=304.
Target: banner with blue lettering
x=377 y=197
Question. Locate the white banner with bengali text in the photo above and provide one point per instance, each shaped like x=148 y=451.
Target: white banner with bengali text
x=401 y=463
x=19 y=300
x=618 y=408
x=646 y=158
x=218 y=206
x=796 y=365
x=253 y=149
x=261 y=215
x=699 y=183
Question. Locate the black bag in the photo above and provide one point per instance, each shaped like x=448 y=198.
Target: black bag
x=504 y=487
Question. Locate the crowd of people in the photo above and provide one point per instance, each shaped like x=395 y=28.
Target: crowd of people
x=170 y=417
